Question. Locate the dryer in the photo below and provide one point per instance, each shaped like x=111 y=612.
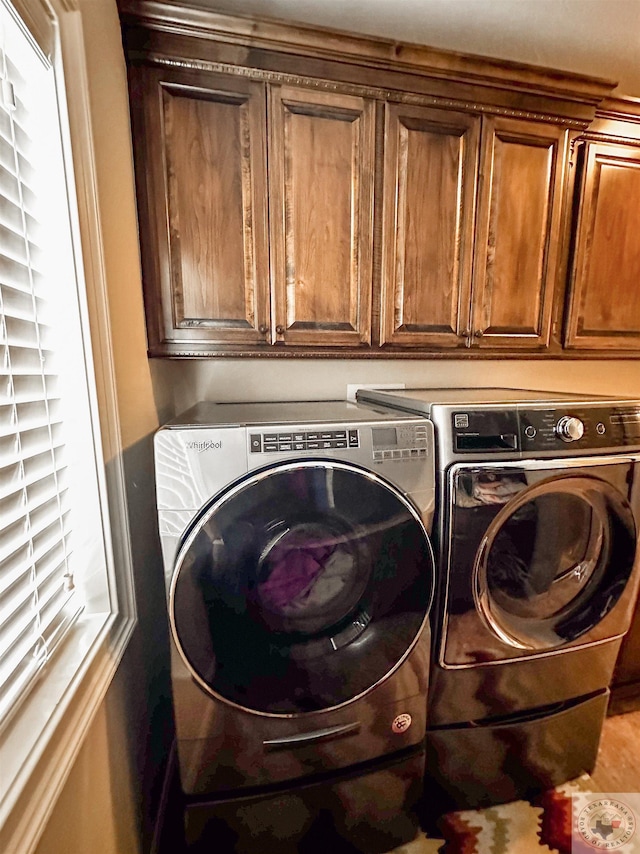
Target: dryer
x=539 y=504
x=299 y=575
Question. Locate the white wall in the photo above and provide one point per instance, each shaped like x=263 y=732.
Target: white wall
x=181 y=384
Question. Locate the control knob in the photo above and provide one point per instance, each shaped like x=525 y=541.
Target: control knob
x=570 y=429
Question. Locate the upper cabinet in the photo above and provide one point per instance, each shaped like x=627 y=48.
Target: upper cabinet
x=604 y=297
x=202 y=171
x=518 y=233
x=429 y=193
x=321 y=161
x=308 y=192
x=471 y=225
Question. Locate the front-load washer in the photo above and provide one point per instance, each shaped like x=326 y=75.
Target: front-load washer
x=300 y=575
x=539 y=502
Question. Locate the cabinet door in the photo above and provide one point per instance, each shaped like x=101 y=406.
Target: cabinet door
x=518 y=235
x=604 y=304
x=321 y=162
x=202 y=170
x=430 y=169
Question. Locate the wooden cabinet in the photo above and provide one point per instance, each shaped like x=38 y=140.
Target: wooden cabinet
x=518 y=235
x=321 y=168
x=430 y=177
x=459 y=273
x=225 y=280
x=304 y=192
x=604 y=303
x=202 y=175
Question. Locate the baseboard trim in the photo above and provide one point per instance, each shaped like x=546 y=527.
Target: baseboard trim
x=624 y=698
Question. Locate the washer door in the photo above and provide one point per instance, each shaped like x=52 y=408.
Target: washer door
x=301 y=587
x=554 y=561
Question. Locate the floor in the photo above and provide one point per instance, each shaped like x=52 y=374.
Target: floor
x=618 y=765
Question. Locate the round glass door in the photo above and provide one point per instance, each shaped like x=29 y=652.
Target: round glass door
x=554 y=561
x=301 y=587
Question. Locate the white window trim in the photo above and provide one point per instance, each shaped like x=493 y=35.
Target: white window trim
x=71 y=691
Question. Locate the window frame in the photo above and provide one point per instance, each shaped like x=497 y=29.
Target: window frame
x=63 y=704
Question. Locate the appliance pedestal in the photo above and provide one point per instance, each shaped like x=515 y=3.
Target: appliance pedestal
x=507 y=759
x=369 y=809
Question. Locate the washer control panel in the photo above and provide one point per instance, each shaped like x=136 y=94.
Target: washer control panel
x=303 y=440
x=383 y=442
x=399 y=443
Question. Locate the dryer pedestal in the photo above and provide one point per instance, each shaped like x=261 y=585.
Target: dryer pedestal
x=474 y=766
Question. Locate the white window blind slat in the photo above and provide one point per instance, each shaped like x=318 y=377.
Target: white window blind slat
x=15 y=504
x=28 y=389
x=23 y=630
x=15 y=601
x=16 y=300
x=31 y=662
x=18 y=277
x=29 y=653
x=28 y=443
x=39 y=537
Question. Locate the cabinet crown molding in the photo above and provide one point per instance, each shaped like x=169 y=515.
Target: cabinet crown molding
x=575 y=95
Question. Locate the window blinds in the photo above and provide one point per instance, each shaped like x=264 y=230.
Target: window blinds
x=38 y=602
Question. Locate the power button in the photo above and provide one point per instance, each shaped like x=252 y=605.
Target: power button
x=600 y=428
x=530 y=431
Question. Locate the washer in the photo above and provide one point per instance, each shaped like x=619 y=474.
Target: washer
x=300 y=575
x=539 y=504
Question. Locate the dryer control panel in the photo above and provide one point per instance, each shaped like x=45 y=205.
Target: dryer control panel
x=579 y=428
x=574 y=428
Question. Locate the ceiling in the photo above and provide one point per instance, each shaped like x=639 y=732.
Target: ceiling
x=596 y=37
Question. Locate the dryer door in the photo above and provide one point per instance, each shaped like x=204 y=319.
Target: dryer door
x=301 y=587
x=548 y=550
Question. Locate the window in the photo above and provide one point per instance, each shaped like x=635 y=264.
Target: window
x=58 y=592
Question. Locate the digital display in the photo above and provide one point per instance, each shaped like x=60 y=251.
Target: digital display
x=630 y=422
x=384 y=437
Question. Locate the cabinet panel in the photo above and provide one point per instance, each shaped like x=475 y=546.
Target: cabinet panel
x=604 y=307
x=517 y=246
x=321 y=162
x=207 y=201
x=430 y=170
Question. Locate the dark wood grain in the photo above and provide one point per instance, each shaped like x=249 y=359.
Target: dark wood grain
x=204 y=209
x=321 y=195
x=275 y=220
x=430 y=174
x=604 y=308
x=517 y=240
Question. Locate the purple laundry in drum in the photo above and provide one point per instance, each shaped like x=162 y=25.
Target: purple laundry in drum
x=304 y=570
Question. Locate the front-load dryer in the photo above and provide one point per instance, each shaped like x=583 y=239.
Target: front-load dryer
x=299 y=574
x=539 y=512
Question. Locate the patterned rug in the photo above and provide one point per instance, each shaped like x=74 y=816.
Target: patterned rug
x=522 y=827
